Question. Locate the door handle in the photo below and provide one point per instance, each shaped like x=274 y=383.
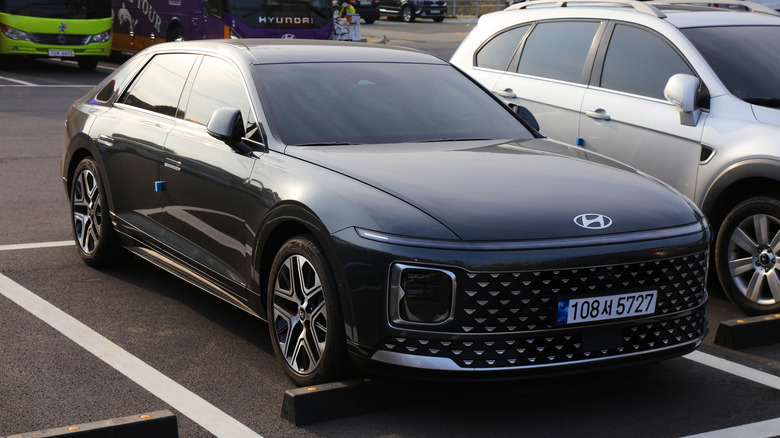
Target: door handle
x=172 y=164
x=105 y=140
x=599 y=114
x=508 y=93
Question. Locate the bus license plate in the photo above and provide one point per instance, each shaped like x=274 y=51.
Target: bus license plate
x=604 y=308
x=65 y=53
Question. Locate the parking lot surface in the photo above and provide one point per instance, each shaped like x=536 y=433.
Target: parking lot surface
x=79 y=345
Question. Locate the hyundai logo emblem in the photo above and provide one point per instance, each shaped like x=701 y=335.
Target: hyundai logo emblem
x=288 y=36
x=593 y=221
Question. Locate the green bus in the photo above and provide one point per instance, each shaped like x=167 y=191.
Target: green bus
x=76 y=29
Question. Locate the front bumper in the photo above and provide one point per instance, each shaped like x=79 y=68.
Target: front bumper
x=504 y=321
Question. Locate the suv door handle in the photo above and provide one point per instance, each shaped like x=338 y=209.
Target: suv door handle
x=172 y=164
x=599 y=114
x=508 y=93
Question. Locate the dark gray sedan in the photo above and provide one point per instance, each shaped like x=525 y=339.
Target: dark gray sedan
x=380 y=209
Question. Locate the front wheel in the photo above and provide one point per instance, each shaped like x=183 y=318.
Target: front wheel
x=438 y=19
x=304 y=314
x=95 y=238
x=407 y=14
x=746 y=252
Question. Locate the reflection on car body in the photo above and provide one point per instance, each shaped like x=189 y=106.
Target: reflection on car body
x=443 y=241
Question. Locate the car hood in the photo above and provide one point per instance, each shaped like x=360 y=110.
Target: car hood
x=489 y=191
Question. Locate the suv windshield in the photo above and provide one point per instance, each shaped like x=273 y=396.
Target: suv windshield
x=745 y=58
x=370 y=103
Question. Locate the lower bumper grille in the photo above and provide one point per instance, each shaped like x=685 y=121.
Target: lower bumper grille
x=542 y=349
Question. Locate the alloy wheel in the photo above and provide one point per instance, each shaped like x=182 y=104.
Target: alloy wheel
x=87 y=211
x=752 y=258
x=299 y=314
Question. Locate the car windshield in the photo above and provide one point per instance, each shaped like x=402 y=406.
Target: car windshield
x=372 y=103
x=745 y=58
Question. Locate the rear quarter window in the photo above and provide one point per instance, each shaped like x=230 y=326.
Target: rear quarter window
x=498 y=51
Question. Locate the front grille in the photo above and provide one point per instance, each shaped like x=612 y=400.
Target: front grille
x=60 y=39
x=501 y=302
x=539 y=350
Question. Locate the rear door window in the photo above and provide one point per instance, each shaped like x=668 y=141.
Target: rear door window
x=559 y=50
x=497 y=52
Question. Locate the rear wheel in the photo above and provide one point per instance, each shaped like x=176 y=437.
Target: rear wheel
x=746 y=255
x=407 y=14
x=304 y=314
x=175 y=34
x=95 y=238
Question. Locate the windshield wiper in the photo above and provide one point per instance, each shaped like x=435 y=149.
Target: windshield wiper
x=771 y=102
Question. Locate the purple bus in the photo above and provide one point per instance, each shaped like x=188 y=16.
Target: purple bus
x=141 y=23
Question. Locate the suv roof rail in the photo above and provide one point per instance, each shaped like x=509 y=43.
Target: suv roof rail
x=642 y=7
x=749 y=5
x=649 y=7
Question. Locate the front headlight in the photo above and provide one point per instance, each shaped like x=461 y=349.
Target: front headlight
x=15 y=34
x=421 y=295
x=102 y=37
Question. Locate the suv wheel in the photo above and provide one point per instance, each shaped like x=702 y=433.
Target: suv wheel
x=407 y=14
x=746 y=255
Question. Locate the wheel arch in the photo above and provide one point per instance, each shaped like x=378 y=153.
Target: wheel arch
x=737 y=183
x=281 y=224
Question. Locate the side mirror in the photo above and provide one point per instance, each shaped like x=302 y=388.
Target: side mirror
x=682 y=91
x=526 y=115
x=227 y=125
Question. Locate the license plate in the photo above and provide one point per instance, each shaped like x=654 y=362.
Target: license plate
x=434 y=11
x=65 y=53
x=604 y=308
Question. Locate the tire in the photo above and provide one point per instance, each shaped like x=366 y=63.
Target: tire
x=304 y=314
x=746 y=251
x=438 y=19
x=407 y=14
x=87 y=63
x=369 y=20
x=93 y=232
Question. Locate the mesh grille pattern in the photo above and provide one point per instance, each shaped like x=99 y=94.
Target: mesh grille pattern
x=525 y=301
x=538 y=350
x=54 y=39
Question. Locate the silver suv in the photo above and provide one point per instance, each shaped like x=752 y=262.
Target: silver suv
x=686 y=92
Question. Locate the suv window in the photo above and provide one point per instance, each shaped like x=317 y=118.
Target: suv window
x=159 y=87
x=498 y=51
x=639 y=62
x=558 y=50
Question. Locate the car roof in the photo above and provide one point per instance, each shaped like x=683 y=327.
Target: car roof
x=281 y=51
x=680 y=13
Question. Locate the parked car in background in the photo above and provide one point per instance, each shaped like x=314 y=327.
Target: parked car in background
x=367 y=9
x=431 y=233
x=410 y=10
x=678 y=89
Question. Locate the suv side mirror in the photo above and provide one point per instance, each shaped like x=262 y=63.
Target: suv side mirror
x=682 y=90
x=227 y=125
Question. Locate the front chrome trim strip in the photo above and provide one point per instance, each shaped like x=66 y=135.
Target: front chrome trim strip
x=520 y=245
x=447 y=364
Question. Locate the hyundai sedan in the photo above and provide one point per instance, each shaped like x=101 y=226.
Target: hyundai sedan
x=380 y=209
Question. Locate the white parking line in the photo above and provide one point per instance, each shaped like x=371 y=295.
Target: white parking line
x=178 y=397
x=762 y=429
x=3 y=78
x=36 y=245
